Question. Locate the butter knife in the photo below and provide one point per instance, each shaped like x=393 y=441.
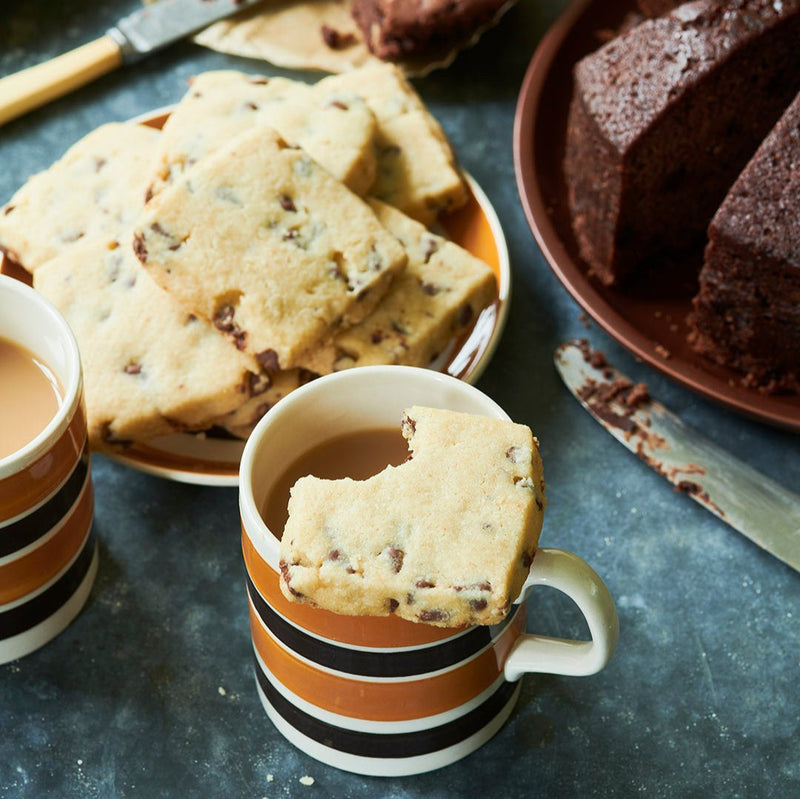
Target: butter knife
x=750 y=502
x=144 y=31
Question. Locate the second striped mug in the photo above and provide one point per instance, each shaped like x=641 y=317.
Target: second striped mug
x=48 y=553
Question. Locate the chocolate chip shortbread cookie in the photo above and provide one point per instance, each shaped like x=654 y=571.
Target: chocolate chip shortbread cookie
x=441 y=291
x=417 y=170
x=96 y=189
x=150 y=367
x=268 y=388
x=265 y=243
x=336 y=128
x=446 y=538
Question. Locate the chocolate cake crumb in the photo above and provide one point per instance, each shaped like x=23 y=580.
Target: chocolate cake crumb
x=335 y=39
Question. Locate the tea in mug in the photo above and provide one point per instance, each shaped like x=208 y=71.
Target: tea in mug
x=358 y=455
x=29 y=396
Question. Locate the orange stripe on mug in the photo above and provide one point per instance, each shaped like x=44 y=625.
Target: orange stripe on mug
x=27 y=488
x=31 y=571
x=397 y=700
x=377 y=631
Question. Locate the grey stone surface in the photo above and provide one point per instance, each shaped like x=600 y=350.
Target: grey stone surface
x=150 y=692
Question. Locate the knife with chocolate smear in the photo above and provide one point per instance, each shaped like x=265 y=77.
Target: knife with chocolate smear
x=750 y=502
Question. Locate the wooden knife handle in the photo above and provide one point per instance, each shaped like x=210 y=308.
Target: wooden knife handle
x=35 y=86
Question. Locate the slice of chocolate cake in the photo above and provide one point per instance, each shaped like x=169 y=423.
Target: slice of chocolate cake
x=401 y=29
x=747 y=313
x=663 y=119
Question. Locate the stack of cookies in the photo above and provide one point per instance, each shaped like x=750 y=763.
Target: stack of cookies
x=271 y=232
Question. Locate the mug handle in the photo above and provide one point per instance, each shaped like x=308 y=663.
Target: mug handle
x=574 y=577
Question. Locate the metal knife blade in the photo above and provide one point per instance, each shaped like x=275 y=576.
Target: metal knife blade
x=158 y=24
x=145 y=30
x=750 y=502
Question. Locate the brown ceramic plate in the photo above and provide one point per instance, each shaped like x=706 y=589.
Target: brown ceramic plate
x=651 y=321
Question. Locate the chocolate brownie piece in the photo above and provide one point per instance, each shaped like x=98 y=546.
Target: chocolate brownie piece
x=399 y=29
x=747 y=312
x=446 y=538
x=663 y=119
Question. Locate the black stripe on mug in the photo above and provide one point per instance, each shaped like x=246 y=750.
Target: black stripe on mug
x=387 y=745
x=385 y=663
x=22 y=617
x=24 y=532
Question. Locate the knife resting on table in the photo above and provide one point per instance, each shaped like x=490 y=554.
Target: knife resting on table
x=750 y=502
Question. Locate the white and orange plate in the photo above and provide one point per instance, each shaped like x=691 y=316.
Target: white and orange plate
x=207 y=459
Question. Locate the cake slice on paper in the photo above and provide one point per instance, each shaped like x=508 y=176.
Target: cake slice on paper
x=413 y=29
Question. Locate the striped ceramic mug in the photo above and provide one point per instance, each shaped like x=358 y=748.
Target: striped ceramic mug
x=384 y=696
x=48 y=555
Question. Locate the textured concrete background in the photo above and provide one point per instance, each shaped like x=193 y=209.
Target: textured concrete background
x=150 y=692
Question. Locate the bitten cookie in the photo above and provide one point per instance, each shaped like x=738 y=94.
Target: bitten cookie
x=150 y=367
x=264 y=242
x=95 y=190
x=417 y=170
x=334 y=128
x=446 y=538
x=441 y=291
